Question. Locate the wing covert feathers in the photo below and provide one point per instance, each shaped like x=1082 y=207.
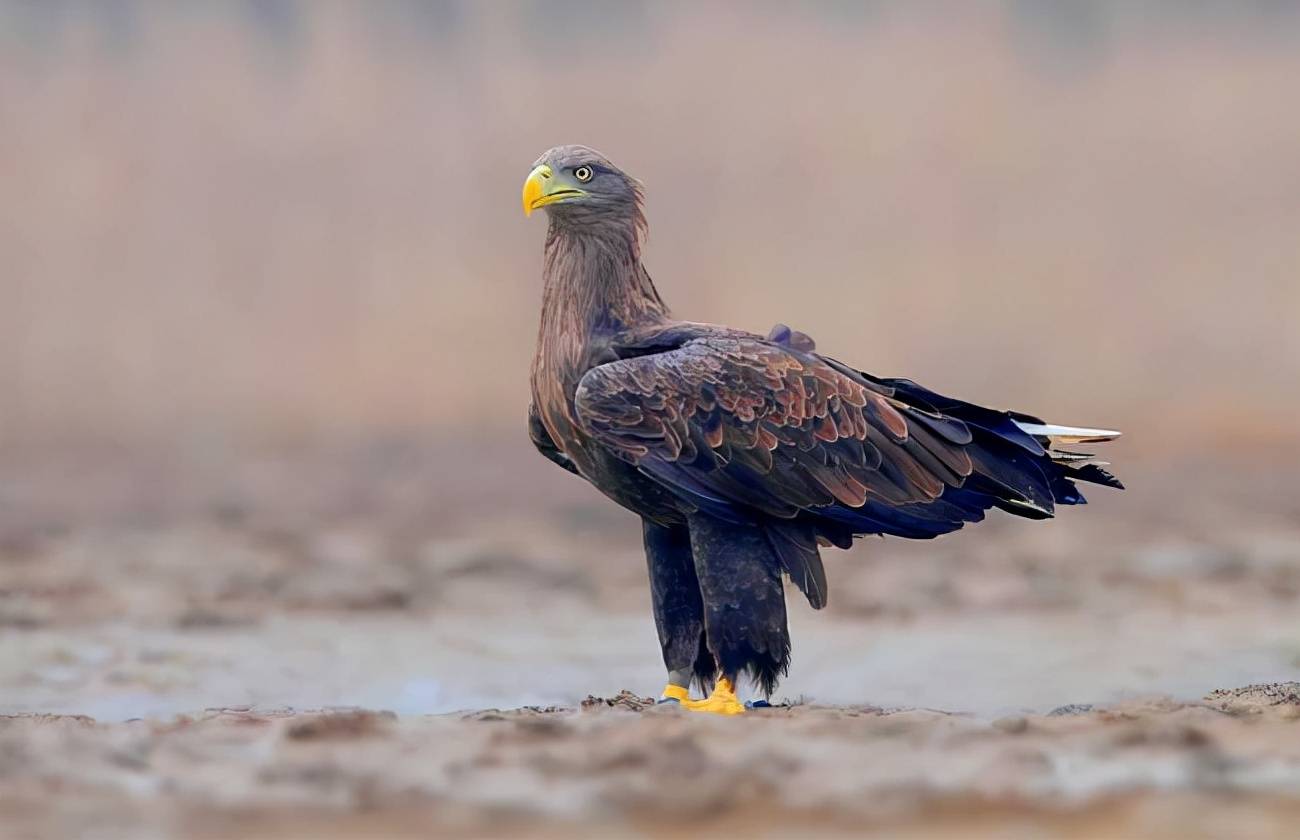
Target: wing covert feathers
x=774 y=428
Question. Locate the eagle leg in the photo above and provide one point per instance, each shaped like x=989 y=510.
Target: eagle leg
x=744 y=607
x=678 y=609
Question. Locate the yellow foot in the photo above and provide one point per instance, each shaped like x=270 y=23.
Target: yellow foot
x=675 y=693
x=721 y=702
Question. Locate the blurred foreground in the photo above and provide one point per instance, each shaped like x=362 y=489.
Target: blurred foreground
x=1153 y=770
x=1036 y=675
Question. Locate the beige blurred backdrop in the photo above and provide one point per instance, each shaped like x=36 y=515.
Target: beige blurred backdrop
x=286 y=223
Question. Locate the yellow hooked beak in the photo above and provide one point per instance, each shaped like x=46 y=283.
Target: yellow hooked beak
x=543 y=188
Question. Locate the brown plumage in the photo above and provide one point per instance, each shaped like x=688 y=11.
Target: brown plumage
x=743 y=452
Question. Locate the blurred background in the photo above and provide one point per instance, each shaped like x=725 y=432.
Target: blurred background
x=268 y=302
x=278 y=222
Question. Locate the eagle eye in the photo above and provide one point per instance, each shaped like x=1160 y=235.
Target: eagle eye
x=583 y=174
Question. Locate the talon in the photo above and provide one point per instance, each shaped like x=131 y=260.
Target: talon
x=675 y=694
x=721 y=702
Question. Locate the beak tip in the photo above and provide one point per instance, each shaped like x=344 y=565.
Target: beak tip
x=534 y=189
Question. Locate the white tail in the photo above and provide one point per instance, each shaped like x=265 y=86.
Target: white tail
x=1067 y=434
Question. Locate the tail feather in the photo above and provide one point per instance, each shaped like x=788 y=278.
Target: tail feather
x=1093 y=474
x=1077 y=466
x=1065 y=456
x=1067 y=434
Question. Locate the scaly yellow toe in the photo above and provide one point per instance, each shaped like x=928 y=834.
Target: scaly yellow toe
x=675 y=692
x=721 y=702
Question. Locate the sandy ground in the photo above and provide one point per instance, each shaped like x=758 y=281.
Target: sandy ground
x=348 y=643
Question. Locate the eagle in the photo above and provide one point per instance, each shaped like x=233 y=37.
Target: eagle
x=745 y=454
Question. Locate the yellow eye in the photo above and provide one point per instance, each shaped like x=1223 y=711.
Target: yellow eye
x=582 y=173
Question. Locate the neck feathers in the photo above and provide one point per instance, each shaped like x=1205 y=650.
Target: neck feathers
x=595 y=286
x=595 y=281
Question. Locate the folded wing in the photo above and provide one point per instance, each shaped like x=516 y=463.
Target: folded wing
x=765 y=430
x=743 y=424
